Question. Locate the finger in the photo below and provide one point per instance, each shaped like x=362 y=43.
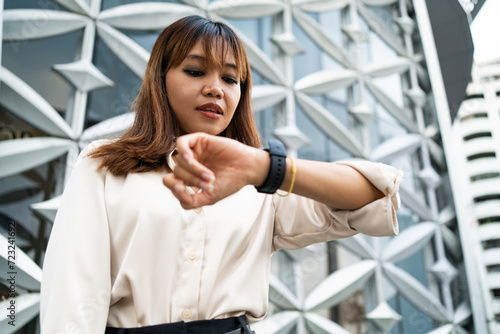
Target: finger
x=178 y=189
x=187 y=159
x=186 y=199
x=191 y=179
x=193 y=170
x=195 y=201
x=172 y=183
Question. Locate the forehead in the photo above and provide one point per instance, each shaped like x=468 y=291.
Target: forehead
x=213 y=53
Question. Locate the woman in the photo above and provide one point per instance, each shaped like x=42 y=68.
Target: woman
x=172 y=226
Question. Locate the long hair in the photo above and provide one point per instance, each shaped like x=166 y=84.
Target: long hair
x=145 y=146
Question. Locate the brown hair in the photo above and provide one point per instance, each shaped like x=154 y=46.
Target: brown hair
x=145 y=146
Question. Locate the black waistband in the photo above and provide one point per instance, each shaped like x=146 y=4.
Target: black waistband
x=216 y=326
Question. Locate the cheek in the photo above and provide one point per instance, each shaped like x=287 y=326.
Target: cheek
x=179 y=98
x=235 y=98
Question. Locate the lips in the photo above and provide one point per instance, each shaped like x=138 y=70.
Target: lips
x=211 y=108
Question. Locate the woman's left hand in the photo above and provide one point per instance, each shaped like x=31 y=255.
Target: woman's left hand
x=218 y=165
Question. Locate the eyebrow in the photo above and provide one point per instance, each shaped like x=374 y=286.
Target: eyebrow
x=204 y=59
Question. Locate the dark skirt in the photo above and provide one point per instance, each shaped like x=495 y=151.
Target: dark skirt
x=235 y=325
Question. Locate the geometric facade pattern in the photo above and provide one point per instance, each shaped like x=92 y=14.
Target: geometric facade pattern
x=347 y=76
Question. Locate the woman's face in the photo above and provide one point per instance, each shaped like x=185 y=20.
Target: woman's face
x=203 y=96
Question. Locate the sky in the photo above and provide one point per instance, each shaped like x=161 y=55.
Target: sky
x=485 y=31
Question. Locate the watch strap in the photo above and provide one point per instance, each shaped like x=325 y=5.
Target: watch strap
x=277 y=169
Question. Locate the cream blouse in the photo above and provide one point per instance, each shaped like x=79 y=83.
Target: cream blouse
x=123 y=252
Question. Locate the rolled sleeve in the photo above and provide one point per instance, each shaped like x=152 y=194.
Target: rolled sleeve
x=301 y=221
x=377 y=218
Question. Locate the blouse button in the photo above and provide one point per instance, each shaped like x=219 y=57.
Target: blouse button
x=192 y=256
x=186 y=314
x=197 y=210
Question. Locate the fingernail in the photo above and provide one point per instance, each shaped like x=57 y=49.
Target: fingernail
x=208 y=177
x=207 y=187
x=188 y=158
x=178 y=188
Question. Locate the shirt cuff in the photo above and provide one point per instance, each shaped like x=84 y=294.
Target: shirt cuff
x=377 y=218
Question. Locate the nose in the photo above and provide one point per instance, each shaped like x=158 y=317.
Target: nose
x=213 y=87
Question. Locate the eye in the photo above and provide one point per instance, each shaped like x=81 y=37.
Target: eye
x=194 y=73
x=230 y=80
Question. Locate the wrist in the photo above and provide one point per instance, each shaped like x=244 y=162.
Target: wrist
x=260 y=167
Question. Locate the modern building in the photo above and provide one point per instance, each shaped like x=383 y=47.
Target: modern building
x=334 y=80
x=479 y=128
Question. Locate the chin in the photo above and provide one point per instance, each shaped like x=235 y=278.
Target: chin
x=211 y=129
x=207 y=131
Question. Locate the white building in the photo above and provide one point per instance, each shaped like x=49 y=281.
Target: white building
x=479 y=127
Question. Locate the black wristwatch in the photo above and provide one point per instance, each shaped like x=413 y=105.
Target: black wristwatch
x=277 y=170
